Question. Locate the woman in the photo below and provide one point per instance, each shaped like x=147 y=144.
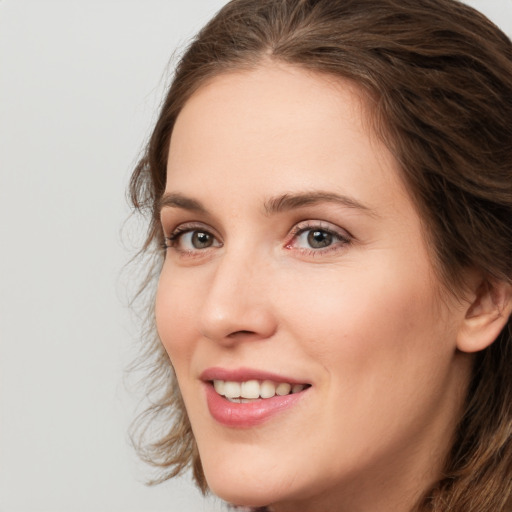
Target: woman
x=331 y=184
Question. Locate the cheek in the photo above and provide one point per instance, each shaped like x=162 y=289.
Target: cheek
x=175 y=319
x=373 y=327
x=346 y=304
x=384 y=354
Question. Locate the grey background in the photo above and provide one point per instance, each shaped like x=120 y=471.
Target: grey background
x=80 y=82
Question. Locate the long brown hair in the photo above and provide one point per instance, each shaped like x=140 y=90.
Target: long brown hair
x=438 y=78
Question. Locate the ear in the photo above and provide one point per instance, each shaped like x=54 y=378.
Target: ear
x=487 y=314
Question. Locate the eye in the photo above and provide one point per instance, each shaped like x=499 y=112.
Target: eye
x=191 y=239
x=197 y=239
x=316 y=237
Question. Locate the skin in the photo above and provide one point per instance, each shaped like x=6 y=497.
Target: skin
x=363 y=320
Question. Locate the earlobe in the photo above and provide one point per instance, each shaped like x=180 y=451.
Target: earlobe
x=486 y=316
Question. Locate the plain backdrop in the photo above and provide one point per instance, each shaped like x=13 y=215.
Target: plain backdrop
x=80 y=83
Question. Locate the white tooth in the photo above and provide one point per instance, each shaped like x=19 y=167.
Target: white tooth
x=297 y=388
x=267 y=389
x=250 y=389
x=219 y=386
x=232 y=389
x=283 y=388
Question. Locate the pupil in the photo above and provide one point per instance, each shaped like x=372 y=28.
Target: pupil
x=200 y=240
x=318 y=239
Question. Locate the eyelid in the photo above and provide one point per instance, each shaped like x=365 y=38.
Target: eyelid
x=322 y=225
x=183 y=227
x=186 y=227
x=344 y=237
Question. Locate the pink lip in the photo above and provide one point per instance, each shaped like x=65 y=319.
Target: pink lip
x=250 y=414
x=243 y=374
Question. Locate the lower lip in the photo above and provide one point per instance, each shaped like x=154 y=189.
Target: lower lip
x=249 y=414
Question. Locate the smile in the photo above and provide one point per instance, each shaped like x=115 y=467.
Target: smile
x=250 y=390
x=245 y=398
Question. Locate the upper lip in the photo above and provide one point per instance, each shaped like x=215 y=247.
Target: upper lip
x=245 y=374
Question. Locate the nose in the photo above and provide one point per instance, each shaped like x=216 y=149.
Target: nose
x=238 y=305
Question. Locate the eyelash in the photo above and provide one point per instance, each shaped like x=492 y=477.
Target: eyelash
x=172 y=241
x=341 y=238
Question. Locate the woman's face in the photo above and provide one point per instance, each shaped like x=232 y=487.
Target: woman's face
x=297 y=277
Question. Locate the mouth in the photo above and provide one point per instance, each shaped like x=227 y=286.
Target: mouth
x=251 y=390
x=246 y=398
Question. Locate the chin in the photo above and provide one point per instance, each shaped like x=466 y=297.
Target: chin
x=245 y=497
x=244 y=492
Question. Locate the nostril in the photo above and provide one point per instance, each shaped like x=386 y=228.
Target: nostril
x=236 y=333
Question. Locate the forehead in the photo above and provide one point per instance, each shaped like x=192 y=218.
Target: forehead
x=280 y=129
x=282 y=96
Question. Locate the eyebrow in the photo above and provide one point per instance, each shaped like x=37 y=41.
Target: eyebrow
x=175 y=200
x=281 y=203
x=287 y=202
